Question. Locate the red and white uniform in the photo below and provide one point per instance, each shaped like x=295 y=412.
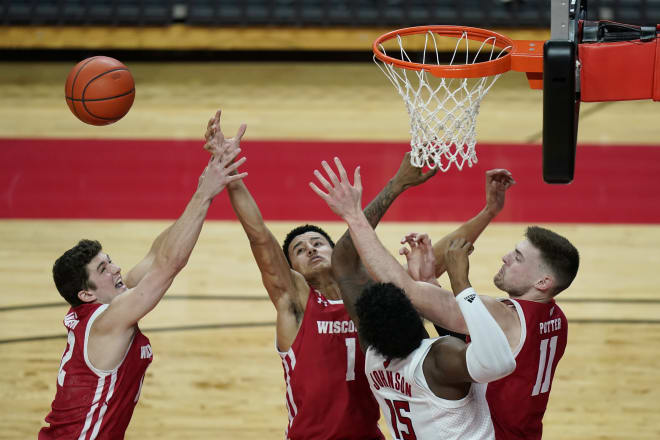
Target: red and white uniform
x=327 y=393
x=91 y=403
x=413 y=411
x=517 y=402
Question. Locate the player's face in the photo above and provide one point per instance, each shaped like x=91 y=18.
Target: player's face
x=106 y=276
x=521 y=270
x=309 y=253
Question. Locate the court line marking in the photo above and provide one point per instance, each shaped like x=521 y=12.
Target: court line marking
x=151 y=330
x=265 y=298
x=272 y=324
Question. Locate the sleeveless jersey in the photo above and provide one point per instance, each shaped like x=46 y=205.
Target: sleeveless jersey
x=517 y=402
x=327 y=394
x=412 y=410
x=91 y=403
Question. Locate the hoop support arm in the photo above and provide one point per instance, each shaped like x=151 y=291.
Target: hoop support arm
x=527 y=56
x=620 y=71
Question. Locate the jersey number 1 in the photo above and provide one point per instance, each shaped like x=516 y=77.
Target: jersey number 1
x=545 y=365
x=350 y=359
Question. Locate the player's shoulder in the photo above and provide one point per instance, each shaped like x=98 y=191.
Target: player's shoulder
x=445 y=345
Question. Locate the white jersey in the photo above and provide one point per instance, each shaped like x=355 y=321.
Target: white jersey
x=412 y=410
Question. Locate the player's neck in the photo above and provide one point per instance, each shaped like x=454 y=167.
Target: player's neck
x=533 y=295
x=327 y=285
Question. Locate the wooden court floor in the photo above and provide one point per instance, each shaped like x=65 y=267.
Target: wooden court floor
x=215 y=372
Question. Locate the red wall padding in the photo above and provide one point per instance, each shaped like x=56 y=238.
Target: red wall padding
x=153 y=179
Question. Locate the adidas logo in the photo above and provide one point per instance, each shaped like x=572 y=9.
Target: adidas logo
x=470 y=298
x=386 y=363
x=71 y=320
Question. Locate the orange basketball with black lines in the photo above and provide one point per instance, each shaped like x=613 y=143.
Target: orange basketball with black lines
x=99 y=90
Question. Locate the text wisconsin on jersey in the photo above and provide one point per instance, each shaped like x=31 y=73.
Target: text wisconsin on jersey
x=331 y=327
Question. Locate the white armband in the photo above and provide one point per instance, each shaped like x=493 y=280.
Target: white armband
x=488 y=356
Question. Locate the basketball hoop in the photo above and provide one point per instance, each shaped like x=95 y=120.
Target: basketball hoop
x=443 y=97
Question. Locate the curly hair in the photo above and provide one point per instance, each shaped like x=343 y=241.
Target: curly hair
x=557 y=252
x=70 y=272
x=299 y=231
x=388 y=321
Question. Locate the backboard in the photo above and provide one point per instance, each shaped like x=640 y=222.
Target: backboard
x=561 y=90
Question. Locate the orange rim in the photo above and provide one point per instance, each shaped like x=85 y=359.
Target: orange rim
x=476 y=70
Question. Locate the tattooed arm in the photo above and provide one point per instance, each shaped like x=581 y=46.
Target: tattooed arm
x=347 y=268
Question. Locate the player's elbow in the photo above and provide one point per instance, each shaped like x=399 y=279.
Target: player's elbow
x=507 y=367
x=172 y=264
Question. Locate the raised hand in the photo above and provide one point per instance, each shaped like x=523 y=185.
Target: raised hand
x=497 y=182
x=220 y=171
x=409 y=175
x=458 y=264
x=216 y=143
x=420 y=257
x=344 y=199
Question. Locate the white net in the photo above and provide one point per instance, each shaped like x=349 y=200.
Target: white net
x=443 y=111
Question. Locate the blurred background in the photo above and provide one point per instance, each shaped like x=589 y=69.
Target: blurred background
x=300 y=74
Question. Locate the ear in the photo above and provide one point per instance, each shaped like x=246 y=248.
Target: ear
x=86 y=296
x=545 y=284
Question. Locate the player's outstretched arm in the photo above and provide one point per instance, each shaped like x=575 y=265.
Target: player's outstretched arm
x=498 y=181
x=347 y=268
x=488 y=357
x=172 y=249
x=345 y=200
x=281 y=283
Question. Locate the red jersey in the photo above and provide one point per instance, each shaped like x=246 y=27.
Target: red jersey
x=517 y=402
x=327 y=393
x=91 y=403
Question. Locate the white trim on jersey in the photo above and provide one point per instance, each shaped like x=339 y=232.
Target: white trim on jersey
x=97 y=371
x=92 y=410
x=523 y=324
x=335 y=301
x=289 y=357
x=104 y=408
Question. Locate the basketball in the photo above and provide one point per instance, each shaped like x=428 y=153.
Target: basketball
x=99 y=90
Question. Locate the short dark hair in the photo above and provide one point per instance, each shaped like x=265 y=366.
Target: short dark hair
x=299 y=231
x=558 y=253
x=388 y=322
x=70 y=271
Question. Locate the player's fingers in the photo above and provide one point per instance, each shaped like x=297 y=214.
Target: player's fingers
x=430 y=173
x=357 y=180
x=322 y=179
x=404 y=251
x=236 y=164
x=234 y=177
x=331 y=174
x=316 y=189
x=229 y=155
x=208 y=128
x=342 y=171
x=241 y=131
